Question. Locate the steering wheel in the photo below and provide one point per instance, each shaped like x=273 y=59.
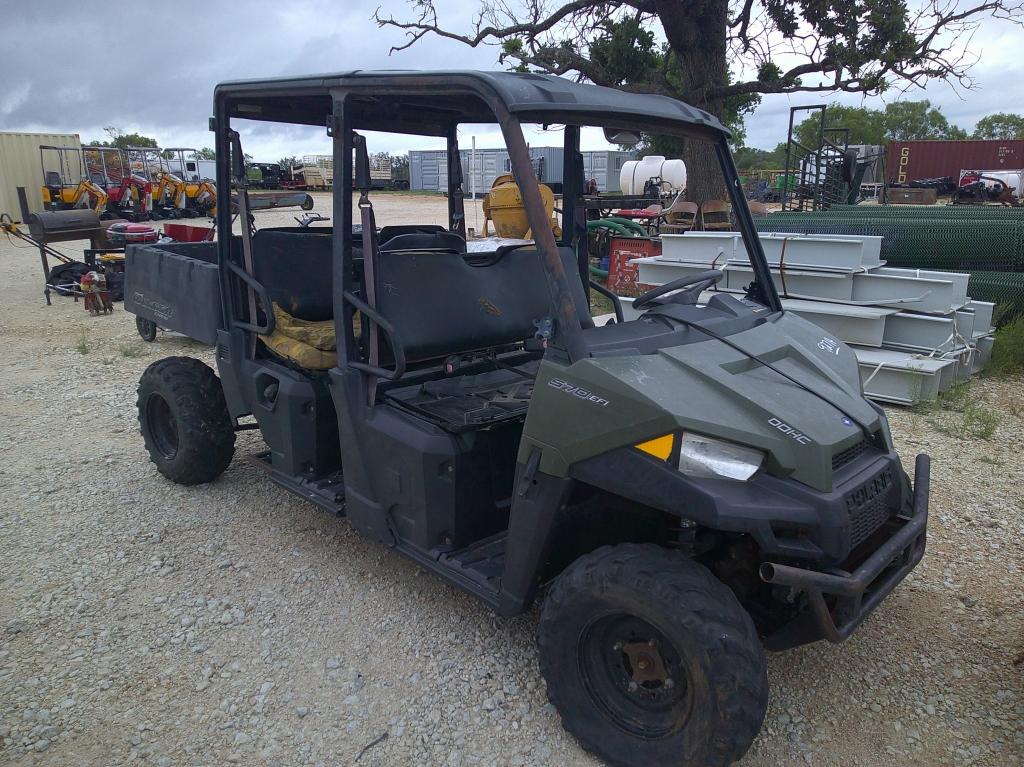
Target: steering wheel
x=696 y=282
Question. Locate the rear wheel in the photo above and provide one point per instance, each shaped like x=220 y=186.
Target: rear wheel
x=185 y=421
x=650 y=659
x=146 y=328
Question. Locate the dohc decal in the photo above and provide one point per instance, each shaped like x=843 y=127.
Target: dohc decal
x=789 y=431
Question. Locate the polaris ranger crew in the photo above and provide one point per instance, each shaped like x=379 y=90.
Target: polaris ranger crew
x=682 y=490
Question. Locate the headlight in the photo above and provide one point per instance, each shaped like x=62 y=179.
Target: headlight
x=701 y=456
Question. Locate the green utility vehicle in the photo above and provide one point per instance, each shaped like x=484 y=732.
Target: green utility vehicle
x=684 y=488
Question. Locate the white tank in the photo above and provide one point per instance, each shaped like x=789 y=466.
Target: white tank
x=636 y=173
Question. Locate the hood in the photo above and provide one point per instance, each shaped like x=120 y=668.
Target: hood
x=713 y=389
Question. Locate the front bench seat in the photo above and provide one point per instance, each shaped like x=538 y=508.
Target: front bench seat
x=440 y=303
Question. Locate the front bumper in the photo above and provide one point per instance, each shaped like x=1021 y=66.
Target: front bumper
x=854 y=595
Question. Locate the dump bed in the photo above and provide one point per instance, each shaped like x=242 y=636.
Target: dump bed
x=176 y=286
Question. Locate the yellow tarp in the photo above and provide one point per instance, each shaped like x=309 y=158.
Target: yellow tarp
x=310 y=345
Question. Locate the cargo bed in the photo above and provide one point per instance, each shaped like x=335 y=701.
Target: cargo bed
x=175 y=286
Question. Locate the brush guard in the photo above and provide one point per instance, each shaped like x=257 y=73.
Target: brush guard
x=858 y=593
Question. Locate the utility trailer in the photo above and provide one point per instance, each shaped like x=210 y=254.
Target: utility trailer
x=683 y=489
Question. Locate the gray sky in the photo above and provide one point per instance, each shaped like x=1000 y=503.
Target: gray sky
x=66 y=70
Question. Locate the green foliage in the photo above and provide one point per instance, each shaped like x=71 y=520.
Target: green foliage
x=131 y=350
x=749 y=158
x=400 y=167
x=959 y=413
x=1008 y=351
x=916 y=120
x=626 y=50
x=206 y=154
x=899 y=121
x=121 y=140
x=82 y=347
x=286 y=163
x=1002 y=125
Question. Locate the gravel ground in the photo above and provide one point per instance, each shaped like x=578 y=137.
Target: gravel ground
x=146 y=623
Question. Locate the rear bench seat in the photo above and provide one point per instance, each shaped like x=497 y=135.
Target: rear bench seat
x=440 y=301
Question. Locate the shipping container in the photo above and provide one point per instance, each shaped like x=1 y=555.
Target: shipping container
x=912 y=160
x=428 y=169
x=20 y=166
x=605 y=167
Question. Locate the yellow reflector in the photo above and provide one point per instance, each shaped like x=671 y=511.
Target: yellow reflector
x=659 y=448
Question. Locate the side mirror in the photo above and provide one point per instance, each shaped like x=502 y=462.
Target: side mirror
x=621 y=137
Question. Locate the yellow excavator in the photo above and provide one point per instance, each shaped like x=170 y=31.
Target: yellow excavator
x=200 y=192
x=170 y=192
x=61 y=190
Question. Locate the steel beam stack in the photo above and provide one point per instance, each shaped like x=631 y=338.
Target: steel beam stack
x=985 y=241
x=915 y=331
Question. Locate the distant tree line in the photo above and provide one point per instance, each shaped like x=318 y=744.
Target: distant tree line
x=898 y=121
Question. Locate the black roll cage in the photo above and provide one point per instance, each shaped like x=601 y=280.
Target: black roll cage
x=422 y=104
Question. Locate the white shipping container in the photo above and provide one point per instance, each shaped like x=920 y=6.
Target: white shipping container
x=20 y=166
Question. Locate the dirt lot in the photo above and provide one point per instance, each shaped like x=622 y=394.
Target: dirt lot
x=146 y=623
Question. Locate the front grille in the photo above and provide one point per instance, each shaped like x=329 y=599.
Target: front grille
x=849 y=455
x=868 y=507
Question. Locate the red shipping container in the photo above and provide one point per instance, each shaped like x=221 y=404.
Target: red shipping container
x=623 y=275
x=912 y=160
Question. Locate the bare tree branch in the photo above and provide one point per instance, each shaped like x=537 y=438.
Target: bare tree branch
x=858 y=46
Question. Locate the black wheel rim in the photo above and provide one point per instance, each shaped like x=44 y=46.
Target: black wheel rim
x=635 y=676
x=162 y=428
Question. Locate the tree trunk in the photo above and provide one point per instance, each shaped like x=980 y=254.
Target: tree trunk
x=696 y=32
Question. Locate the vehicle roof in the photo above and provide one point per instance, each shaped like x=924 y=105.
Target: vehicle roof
x=530 y=97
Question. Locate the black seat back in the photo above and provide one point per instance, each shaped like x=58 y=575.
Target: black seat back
x=426 y=241
x=444 y=303
x=52 y=178
x=393 y=230
x=295 y=268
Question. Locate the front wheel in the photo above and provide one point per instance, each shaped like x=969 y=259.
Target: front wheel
x=650 y=660
x=185 y=422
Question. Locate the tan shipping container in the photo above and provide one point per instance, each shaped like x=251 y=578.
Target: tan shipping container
x=19 y=166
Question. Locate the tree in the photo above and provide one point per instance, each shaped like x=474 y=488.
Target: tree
x=918 y=120
x=206 y=154
x=121 y=140
x=857 y=46
x=1002 y=125
x=867 y=126
x=899 y=121
x=749 y=158
x=400 y=167
x=287 y=162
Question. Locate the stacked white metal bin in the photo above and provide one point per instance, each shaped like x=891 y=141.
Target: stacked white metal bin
x=915 y=332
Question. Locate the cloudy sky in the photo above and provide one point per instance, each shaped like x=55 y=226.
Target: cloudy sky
x=76 y=67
